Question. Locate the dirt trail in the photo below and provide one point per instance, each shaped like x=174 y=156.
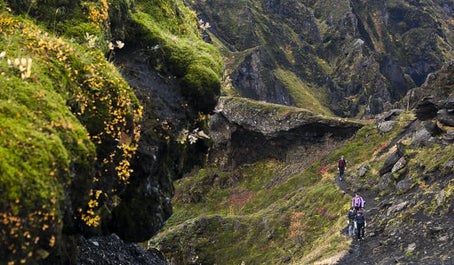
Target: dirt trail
x=359 y=250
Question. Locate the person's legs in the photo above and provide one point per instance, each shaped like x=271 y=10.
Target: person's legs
x=358 y=230
x=341 y=173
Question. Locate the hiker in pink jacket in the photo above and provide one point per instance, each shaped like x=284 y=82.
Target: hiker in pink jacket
x=358 y=202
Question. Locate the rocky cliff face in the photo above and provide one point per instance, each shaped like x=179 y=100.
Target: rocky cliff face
x=363 y=55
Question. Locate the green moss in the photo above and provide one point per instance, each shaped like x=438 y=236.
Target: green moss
x=201 y=86
x=171 y=16
x=59 y=112
x=186 y=56
x=40 y=143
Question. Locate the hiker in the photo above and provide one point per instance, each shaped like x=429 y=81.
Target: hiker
x=358 y=202
x=341 y=165
x=351 y=221
x=360 y=224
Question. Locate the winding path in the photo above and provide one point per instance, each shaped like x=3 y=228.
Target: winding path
x=360 y=250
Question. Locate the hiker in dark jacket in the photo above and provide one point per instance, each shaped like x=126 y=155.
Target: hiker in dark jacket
x=361 y=223
x=351 y=215
x=341 y=165
x=358 y=202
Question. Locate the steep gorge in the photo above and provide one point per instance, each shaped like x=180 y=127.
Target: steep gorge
x=259 y=187
x=357 y=58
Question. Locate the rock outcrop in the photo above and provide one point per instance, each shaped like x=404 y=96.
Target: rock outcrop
x=246 y=131
x=111 y=250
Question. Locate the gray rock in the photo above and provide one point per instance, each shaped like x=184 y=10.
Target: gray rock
x=391 y=160
x=448 y=103
x=404 y=185
x=388 y=115
x=386 y=126
x=432 y=128
x=399 y=164
x=396 y=208
x=441 y=197
x=362 y=170
x=448 y=137
x=111 y=250
x=449 y=164
x=386 y=182
x=411 y=247
x=421 y=138
x=446 y=117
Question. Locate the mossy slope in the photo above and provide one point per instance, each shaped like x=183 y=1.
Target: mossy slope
x=70 y=122
x=62 y=108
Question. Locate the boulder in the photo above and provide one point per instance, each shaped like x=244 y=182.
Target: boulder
x=446 y=117
x=449 y=137
x=363 y=170
x=388 y=115
x=390 y=161
x=396 y=208
x=385 y=126
x=426 y=109
x=386 y=182
x=421 y=138
x=399 y=164
x=111 y=250
x=432 y=128
x=404 y=185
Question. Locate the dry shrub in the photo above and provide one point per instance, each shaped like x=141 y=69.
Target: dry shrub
x=296 y=227
x=238 y=200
